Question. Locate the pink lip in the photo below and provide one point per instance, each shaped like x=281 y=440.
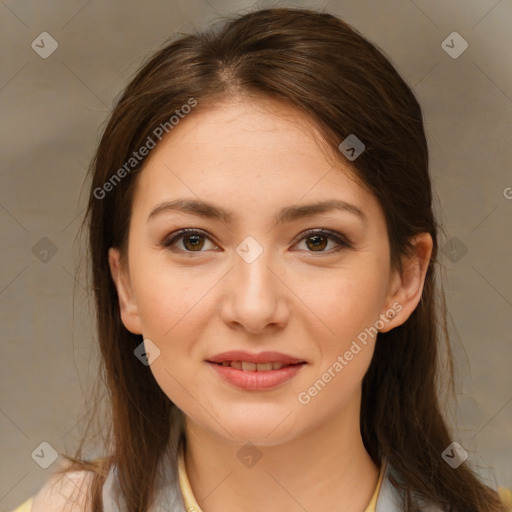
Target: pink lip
x=262 y=357
x=256 y=381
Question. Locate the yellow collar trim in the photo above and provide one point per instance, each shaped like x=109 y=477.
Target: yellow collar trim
x=191 y=503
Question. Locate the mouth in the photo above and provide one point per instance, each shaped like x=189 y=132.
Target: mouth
x=251 y=376
x=249 y=361
x=247 y=366
x=256 y=371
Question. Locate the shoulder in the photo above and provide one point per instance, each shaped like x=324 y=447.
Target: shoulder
x=64 y=492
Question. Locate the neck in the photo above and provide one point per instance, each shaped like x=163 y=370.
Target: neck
x=316 y=471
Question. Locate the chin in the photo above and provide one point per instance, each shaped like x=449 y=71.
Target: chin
x=259 y=429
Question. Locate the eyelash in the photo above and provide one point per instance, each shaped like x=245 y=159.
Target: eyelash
x=343 y=241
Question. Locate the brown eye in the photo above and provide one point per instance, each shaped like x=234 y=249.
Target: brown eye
x=318 y=242
x=192 y=240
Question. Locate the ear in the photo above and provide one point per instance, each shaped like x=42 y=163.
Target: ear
x=127 y=304
x=405 y=288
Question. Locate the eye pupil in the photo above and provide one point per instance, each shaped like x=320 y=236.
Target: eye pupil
x=316 y=239
x=196 y=239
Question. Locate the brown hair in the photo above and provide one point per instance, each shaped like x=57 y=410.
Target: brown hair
x=345 y=85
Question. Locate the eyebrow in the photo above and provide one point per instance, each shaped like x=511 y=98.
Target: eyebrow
x=287 y=214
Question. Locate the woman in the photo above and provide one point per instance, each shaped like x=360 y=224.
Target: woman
x=263 y=253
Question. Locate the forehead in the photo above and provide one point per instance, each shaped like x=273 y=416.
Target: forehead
x=261 y=128
x=260 y=151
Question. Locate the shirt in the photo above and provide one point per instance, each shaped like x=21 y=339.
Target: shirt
x=177 y=495
x=189 y=500
x=191 y=503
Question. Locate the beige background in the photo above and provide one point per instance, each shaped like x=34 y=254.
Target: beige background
x=52 y=112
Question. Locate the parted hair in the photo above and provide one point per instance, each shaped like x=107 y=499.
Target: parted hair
x=345 y=85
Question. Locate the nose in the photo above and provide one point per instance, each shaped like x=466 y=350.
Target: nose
x=255 y=297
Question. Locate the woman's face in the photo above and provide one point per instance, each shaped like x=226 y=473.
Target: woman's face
x=257 y=276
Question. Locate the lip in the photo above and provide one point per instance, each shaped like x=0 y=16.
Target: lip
x=254 y=380
x=261 y=357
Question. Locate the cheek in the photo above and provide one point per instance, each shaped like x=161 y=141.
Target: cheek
x=167 y=297
x=173 y=316
x=175 y=313
x=351 y=310
x=348 y=313
x=346 y=301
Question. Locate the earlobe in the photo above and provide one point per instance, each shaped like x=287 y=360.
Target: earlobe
x=407 y=287
x=127 y=304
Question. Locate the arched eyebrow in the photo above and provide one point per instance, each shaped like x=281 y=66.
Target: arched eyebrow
x=291 y=213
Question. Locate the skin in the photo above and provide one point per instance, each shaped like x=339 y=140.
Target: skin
x=304 y=301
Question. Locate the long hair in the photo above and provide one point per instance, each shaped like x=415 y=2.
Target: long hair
x=345 y=85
